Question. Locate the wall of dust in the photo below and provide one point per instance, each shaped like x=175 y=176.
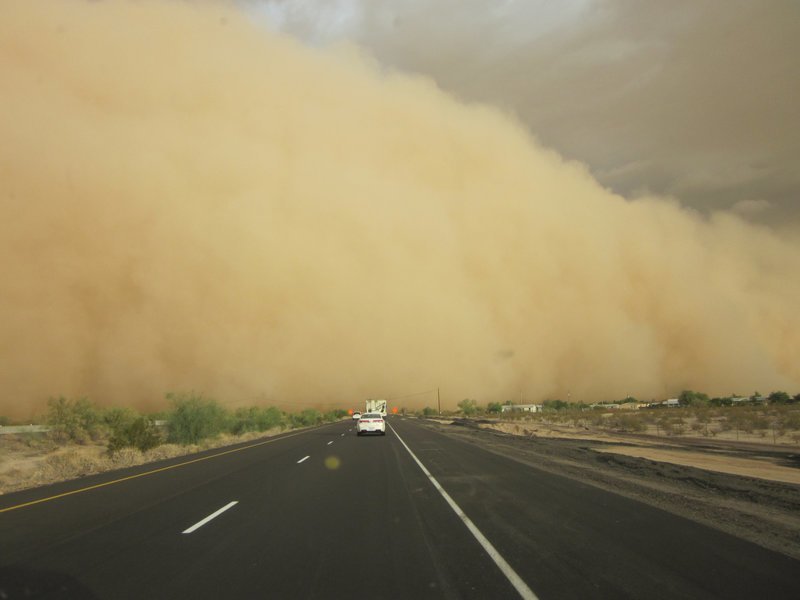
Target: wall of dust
x=190 y=202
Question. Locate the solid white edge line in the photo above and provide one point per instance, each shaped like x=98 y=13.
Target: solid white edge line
x=515 y=580
x=303 y=459
x=199 y=524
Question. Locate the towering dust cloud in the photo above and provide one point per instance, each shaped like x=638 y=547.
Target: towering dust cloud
x=189 y=202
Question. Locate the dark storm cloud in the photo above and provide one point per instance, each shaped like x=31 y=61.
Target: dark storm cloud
x=695 y=99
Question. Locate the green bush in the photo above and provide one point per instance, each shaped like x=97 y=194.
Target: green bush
x=780 y=398
x=194 y=418
x=256 y=418
x=691 y=398
x=305 y=418
x=334 y=415
x=117 y=417
x=555 y=405
x=141 y=433
x=75 y=420
x=494 y=408
x=468 y=407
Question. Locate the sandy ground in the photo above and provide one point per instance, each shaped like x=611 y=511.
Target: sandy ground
x=762 y=468
x=666 y=449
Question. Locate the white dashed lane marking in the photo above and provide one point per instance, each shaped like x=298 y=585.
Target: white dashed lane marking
x=213 y=515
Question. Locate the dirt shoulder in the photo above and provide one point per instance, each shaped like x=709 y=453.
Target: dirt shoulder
x=748 y=490
x=751 y=459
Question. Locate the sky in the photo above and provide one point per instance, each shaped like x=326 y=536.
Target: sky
x=206 y=197
x=698 y=100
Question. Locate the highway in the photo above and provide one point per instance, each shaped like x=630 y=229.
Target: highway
x=323 y=513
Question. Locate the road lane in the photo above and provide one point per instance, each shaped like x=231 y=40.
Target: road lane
x=571 y=540
x=356 y=519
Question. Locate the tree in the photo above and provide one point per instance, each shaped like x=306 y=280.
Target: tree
x=721 y=401
x=555 y=404
x=780 y=398
x=468 y=407
x=494 y=407
x=428 y=411
x=690 y=398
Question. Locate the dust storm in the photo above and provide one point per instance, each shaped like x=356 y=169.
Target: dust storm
x=192 y=202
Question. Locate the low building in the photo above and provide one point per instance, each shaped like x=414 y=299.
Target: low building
x=522 y=408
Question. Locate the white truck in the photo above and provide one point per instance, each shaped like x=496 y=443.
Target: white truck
x=376 y=406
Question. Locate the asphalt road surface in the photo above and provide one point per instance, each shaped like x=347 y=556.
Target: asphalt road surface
x=326 y=514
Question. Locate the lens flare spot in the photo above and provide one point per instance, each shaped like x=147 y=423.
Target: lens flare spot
x=333 y=462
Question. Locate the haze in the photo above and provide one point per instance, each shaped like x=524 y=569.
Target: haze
x=193 y=202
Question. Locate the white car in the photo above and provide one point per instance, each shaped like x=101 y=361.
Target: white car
x=356 y=415
x=371 y=423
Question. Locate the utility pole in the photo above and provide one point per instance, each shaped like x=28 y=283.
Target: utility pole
x=439 y=399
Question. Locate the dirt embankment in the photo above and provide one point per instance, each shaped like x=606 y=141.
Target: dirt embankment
x=748 y=490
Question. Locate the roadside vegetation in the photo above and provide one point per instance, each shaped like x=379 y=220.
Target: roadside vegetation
x=84 y=438
x=774 y=418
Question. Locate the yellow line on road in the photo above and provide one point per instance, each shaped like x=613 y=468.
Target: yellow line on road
x=183 y=464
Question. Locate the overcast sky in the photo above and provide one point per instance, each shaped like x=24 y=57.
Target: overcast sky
x=695 y=99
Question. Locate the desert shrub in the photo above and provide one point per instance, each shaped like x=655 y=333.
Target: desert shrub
x=256 y=418
x=74 y=420
x=68 y=465
x=468 y=407
x=194 y=418
x=330 y=416
x=789 y=421
x=119 y=417
x=671 y=425
x=428 y=411
x=555 y=405
x=305 y=418
x=127 y=457
x=758 y=422
x=141 y=433
x=627 y=422
x=166 y=451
